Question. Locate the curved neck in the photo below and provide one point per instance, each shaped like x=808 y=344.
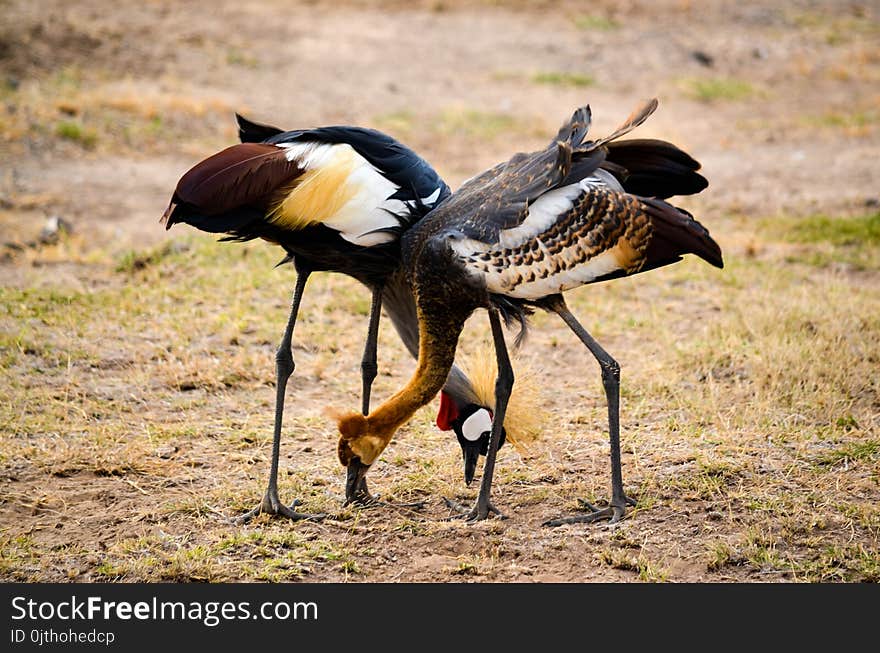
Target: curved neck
x=438 y=338
x=400 y=305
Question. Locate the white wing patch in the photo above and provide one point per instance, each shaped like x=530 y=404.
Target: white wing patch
x=505 y=272
x=545 y=210
x=542 y=214
x=341 y=190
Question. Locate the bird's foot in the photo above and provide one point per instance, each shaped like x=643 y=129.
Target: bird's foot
x=367 y=500
x=271 y=505
x=357 y=493
x=615 y=511
x=480 y=511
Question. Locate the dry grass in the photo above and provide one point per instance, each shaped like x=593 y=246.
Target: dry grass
x=85 y=108
x=750 y=412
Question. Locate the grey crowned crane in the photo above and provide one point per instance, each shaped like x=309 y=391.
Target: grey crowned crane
x=335 y=199
x=516 y=237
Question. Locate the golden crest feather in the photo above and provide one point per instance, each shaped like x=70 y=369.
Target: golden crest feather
x=525 y=410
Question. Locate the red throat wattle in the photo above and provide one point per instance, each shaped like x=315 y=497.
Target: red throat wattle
x=448 y=412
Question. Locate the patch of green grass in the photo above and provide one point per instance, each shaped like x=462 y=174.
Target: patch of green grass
x=651 y=573
x=43 y=304
x=865 y=516
x=267 y=555
x=806 y=554
x=16 y=554
x=133 y=260
x=562 y=79
x=68 y=78
x=461 y=122
x=276 y=571
x=838 y=563
x=398 y=122
x=236 y=57
x=862 y=230
x=720 y=554
x=475 y=123
x=857 y=121
x=710 y=480
x=349 y=567
x=718 y=89
x=846 y=422
x=73 y=130
x=852 y=451
x=596 y=22
x=138 y=132
x=466 y=568
x=837 y=28
x=96 y=112
x=852 y=240
x=411 y=526
x=760 y=551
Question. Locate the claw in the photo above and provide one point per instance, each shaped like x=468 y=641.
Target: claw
x=613 y=513
x=271 y=505
x=460 y=508
x=357 y=493
x=479 y=512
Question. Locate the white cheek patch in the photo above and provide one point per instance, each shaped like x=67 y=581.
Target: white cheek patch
x=475 y=425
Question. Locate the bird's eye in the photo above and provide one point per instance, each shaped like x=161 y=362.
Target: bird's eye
x=476 y=425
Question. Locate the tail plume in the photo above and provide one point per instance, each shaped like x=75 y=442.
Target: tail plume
x=639 y=115
x=228 y=190
x=654 y=168
x=675 y=232
x=574 y=131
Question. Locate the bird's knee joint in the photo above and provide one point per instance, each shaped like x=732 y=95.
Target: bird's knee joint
x=504 y=382
x=284 y=361
x=611 y=369
x=369 y=369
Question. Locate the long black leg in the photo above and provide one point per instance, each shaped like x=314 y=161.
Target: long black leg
x=369 y=367
x=356 y=490
x=284 y=367
x=611 y=382
x=503 y=387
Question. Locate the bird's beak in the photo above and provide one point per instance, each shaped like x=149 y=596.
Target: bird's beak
x=471 y=455
x=354 y=479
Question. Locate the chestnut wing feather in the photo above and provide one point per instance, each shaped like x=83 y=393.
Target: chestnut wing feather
x=237 y=176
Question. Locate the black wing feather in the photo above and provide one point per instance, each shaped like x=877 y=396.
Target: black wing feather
x=254 y=132
x=390 y=157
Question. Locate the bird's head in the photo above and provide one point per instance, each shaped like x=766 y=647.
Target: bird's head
x=358 y=438
x=358 y=447
x=472 y=425
x=363 y=437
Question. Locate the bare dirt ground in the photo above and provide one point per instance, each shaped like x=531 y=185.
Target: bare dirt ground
x=137 y=387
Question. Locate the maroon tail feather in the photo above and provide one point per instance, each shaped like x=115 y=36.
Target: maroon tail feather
x=238 y=177
x=654 y=168
x=674 y=233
